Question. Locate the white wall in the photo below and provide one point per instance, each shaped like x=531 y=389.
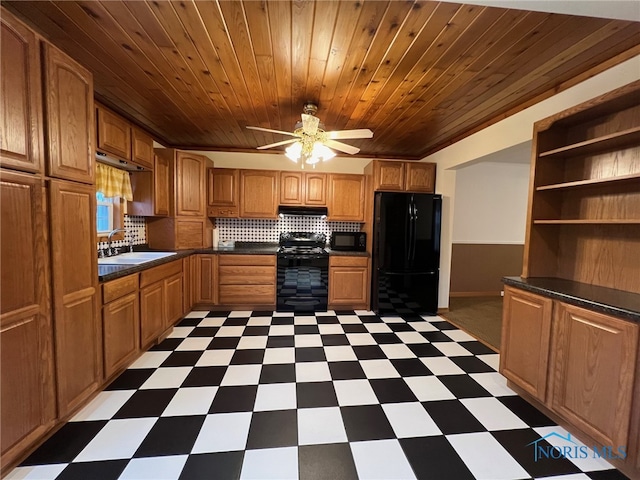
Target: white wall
x=491 y=203
x=512 y=132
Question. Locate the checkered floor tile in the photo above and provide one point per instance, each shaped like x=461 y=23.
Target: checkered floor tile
x=336 y=395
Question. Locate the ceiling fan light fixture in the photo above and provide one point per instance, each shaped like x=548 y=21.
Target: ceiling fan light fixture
x=293 y=151
x=322 y=152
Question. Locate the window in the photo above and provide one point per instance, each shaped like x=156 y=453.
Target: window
x=109 y=216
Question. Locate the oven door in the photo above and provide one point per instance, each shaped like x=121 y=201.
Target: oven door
x=302 y=283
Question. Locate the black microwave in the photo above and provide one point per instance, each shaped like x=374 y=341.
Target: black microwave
x=351 y=241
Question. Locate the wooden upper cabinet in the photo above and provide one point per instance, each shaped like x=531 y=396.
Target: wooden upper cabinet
x=27 y=402
x=595 y=362
x=114 y=133
x=78 y=338
x=69 y=117
x=141 y=148
x=526 y=330
x=291 y=188
x=259 y=193
x=21 y=100
x=190 y=178
x=222 y=192
x=404 y=176
x=389 y=175
x=420 y=177
x=300 y=188
x=151 y=190
x=346 y=197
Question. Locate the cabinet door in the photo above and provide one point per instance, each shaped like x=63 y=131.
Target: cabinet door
x=27 y=403
x=121 y=332
x=594 y=372
x=69 y=117
x=173 y=289
x=114 y=134
x=291 y=188
x=186 y=285
x=315 y=189
x=75 y=280
x=161 y=186
x=152 y=313
x=420 y=177
x=205 y=279
x=259 y=193
x=526 y=328
x=222 y=187
x=388 y=176
x=21 y=130
x=349 y=282
x=141 y=148
x=346 y=198
x=190 y=185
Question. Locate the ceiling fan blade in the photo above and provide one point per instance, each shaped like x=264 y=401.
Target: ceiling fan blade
x=277 y=144
x=358 y=133
x=343 y=147
x=291 y=134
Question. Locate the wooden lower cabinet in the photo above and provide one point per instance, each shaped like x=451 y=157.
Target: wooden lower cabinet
x=594 y=372
x=204 y=286
x=349 y=282
x=247 y=279
x=152 y=314
x=173 y=289
x=120 y=323
x=526 y=329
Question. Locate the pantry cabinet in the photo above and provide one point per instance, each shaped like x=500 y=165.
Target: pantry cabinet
x=223 y=192
x=21 y=139
x=28 y=400
x=348 y=282
x=68 y=97
x=526 y=331
x=259 y=193
x=120 y=323
x=346 y=197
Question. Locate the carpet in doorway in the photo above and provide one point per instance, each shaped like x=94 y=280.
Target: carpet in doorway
x=479 y=316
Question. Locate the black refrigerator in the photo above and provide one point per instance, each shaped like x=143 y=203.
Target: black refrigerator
x=406 y=253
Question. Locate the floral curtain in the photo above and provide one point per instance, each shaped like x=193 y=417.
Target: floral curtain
x=113 y=182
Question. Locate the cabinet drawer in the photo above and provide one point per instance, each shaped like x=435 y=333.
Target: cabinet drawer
x=119 y=288
x=223 y=212
x=247 y=294
x=249 y=260
x=340 y=261
x=160 y=272
x=246 y=275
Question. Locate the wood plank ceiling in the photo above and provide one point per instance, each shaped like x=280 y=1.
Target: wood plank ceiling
x=420 y=74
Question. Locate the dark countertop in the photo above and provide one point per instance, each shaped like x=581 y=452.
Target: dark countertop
x=618 y=303
x=111 y=272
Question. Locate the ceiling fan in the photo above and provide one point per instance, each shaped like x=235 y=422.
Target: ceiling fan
x=312 y=143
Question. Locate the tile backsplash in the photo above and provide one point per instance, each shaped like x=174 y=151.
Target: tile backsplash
x=244 y=230
x=135 y=227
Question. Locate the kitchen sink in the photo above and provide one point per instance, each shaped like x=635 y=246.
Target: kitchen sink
x=133 y=258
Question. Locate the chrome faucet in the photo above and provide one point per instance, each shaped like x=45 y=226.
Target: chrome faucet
x=110 y=251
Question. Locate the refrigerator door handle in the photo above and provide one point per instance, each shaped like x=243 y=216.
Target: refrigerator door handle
x=407 y=240
x=412 y=241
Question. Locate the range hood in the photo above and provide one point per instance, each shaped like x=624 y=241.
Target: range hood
x=288 y=210
x=116 y=162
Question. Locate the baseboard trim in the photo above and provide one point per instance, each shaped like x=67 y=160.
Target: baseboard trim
x=442 y=310
x=491 y=293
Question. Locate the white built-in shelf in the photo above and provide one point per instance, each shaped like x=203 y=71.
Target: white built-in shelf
x=591 y=182
x=611 y=141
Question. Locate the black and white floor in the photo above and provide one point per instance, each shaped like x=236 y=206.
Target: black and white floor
x=336 y=395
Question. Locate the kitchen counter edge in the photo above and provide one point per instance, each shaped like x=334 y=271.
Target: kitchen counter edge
x=625 y=305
